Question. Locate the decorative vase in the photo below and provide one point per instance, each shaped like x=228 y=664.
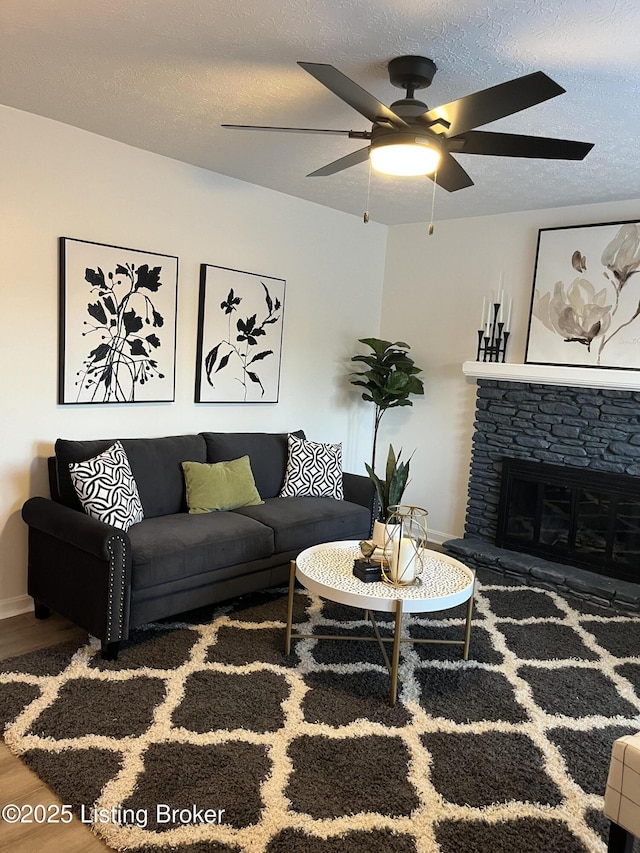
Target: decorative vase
x=404 y=557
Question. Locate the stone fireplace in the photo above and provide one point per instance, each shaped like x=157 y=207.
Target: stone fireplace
x=573 y=426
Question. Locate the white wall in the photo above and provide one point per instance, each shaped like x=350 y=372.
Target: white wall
x=434 y=288
x=55 y=181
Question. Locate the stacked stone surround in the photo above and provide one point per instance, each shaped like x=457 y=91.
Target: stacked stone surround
x=580 y=427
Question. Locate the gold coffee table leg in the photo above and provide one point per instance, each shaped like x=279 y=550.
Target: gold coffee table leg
x=292 y=584
x=467 y=629
x=395 y=660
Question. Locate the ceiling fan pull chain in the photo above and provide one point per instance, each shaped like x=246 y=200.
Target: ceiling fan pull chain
x=433 y=202
x=365 y=218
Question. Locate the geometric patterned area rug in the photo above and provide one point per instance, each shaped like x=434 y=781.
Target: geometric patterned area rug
x=204 y=738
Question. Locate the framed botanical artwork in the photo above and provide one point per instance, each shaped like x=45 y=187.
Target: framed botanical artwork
x=117 y=325
x=240 y=323
x=585 y=306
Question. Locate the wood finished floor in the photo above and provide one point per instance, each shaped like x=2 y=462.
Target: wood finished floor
x=18 y=784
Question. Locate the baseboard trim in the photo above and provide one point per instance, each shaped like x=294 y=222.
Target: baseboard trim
x=439 y=537
x=15 y=606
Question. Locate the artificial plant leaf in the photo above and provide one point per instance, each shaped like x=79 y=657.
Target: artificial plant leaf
x=377 y=345
x=415 y=385
x=379 y=487
x=391 y=463
x=396 y=381
x=367 y=359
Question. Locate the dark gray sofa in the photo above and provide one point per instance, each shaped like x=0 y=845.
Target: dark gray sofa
x=109 y=581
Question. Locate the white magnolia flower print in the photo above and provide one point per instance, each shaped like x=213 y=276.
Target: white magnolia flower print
x=622 y=255
x=576 y=312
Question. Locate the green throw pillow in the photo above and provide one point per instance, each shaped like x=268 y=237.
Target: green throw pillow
x=220 y=486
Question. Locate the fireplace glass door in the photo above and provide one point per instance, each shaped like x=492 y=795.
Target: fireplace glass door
x=571 y=515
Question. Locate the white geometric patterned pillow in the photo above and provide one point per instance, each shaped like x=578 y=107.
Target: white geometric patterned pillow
x=106 y=488
x=313 y=470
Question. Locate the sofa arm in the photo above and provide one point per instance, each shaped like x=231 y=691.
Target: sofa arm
x=73 y=527
x=79 y=567
x=360 y=490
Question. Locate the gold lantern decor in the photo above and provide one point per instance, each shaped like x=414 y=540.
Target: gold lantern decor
x=405 y=544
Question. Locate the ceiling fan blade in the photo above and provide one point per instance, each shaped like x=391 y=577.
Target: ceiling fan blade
x=493 y=103
x=352 y=159
x=353 y=134
x=352 y=94
x=515 y=145
x=450 y=175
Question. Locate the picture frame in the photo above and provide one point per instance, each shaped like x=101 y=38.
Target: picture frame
x=240 y=331
x=117 y=324
x=585 y=303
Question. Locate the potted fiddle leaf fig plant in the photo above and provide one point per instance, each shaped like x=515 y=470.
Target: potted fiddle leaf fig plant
x=389 y=379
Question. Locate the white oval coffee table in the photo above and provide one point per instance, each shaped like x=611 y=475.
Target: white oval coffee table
x=327 y=571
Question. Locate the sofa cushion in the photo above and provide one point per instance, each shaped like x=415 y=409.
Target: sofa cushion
x=267 y=452
x=313 y=470
x=301 y=522
x=215 y=486
x=106 y=488
x=179 y=546
x=155 y=464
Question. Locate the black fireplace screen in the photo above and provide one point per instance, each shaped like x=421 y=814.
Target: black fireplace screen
x=585 y=518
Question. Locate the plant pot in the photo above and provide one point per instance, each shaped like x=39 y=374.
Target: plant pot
x=384 y=533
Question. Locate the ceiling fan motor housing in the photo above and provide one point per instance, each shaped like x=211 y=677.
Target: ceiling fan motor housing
x=411 y=72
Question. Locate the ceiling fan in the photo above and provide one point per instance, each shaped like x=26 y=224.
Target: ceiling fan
x=408 y=138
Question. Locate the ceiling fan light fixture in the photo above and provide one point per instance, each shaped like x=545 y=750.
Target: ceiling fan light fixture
x=404 y=159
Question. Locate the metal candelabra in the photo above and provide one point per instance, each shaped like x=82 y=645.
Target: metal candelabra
x=492 y=340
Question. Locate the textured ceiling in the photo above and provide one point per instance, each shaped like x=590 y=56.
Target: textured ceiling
x=162 y=75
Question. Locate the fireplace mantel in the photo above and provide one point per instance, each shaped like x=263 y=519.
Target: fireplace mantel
x=546 y=374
